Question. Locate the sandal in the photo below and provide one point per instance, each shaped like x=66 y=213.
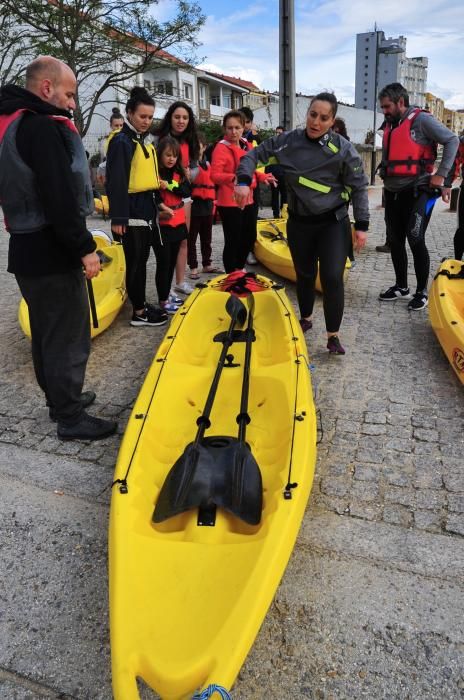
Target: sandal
x=194 y=276
x=212 y=270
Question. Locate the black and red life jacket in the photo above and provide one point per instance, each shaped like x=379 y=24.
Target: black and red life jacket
x=404 y=157
x=172 y=199
x=19 y=194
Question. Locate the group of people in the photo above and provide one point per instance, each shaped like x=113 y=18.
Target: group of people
x=162 y=192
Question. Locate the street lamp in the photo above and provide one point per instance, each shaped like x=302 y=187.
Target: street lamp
x=392 y=48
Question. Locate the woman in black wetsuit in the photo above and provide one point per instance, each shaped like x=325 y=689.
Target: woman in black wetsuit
x=323 y=173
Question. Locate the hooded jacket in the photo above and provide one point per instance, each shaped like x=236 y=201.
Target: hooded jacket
x=43 y=145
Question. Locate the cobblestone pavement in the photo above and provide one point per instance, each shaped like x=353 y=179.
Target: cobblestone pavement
x=389 y=461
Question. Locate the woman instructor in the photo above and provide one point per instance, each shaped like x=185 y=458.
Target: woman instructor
x=323 y=172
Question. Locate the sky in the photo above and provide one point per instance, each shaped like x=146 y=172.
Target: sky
x=242 y=40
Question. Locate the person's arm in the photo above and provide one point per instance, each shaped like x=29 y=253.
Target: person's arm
x=222 y=169
x=118 y=165
x=437 y=132
x=355 y=179
x=42 y=147
x=260 y=155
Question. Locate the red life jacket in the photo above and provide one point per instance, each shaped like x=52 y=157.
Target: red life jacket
x=173 y=200
x=203 y=187
x=404 y=156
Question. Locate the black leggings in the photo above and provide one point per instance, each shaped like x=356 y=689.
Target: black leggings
x=239 y=226
x=136 y=241
x=166 y=251
x=325 y=241
x=406 y=218
x=458 y=239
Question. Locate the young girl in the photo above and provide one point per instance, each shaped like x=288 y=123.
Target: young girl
x=173 y=227
x=201 y=219
x=179 y=122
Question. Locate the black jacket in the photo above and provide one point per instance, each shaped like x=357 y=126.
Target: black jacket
x=60 y=245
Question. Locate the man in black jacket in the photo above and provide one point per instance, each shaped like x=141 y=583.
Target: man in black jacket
x=45 y=193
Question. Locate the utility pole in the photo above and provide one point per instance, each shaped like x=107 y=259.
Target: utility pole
x=287 y=64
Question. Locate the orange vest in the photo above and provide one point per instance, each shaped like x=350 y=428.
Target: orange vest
x=203 y=187
x=403 y=156
x=172 y=200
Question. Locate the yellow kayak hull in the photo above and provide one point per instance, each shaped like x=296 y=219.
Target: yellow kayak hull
x=186 y=601
x=271 y=249
x=446 y=311
x=109 y=287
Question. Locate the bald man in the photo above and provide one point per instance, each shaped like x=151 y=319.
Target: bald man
x=45 y=193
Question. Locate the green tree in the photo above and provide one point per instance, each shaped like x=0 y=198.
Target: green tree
x=106 y=43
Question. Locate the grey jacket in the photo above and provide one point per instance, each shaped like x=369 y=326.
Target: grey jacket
x=426 y=130
x=320 y=175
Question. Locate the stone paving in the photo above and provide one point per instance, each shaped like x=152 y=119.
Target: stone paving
x=389 y=472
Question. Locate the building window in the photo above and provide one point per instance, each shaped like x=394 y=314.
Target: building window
x=202 y=96
x=227 y=101
x=188 y=91
x=216 y=100
x=147 y=85
x=163 y=88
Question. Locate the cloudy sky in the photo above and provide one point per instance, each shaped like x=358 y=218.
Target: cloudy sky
x=243 y=40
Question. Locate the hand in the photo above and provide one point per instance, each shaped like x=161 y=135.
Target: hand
x=119 y=229
x=166 y=213
x=271 y=180
x=436 y=181
x=446 y=194
x=92 y=265
x=163 y=184
x=241 y=195
x=360 y=240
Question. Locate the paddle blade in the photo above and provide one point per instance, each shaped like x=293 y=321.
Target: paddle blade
x=219 y=471
x=236 y=309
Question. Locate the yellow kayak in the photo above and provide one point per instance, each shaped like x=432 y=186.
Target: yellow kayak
x=102 y=205
x=271 y=249
x=190 y=584
x=109 y=286
x=446 y=311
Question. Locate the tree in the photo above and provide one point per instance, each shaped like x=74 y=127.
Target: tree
x=106 y=44
x=15 y=51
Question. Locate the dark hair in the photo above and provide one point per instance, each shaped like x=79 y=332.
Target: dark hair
x=326 y=97
x=190 y=135
x=236 y=114
x=115 y=114
x=172 y=144
x=202 y=138
x=394 y=92
x=280 y=127
x=339 y=127
x=248 y=113
x=138 y=96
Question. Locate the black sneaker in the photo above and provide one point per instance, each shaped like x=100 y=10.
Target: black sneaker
x=383 y=248
x=418 y=302
x=87 y=428
x=150 y=317
x=395 y=292
x=86 y=398
x=334 y=346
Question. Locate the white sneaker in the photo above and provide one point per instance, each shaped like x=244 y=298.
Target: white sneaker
x=183 y=288
x=251 y=260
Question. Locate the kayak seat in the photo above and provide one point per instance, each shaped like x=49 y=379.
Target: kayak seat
x=218 y=471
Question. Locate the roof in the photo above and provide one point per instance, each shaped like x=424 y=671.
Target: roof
x=247 y=84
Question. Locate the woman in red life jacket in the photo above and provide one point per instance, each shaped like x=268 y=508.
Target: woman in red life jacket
x=179 y=122
x=173 y=227
x=201 y=220
x=238 y=224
